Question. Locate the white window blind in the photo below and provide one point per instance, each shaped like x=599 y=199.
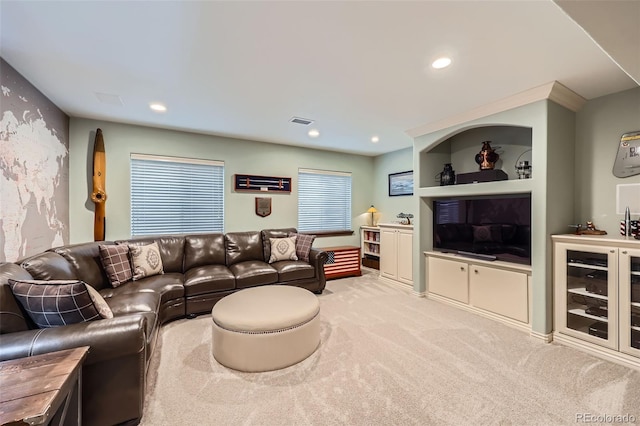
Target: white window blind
x=324 y=200
x=171 y=195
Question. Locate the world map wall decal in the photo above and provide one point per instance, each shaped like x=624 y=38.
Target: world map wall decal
x=34 y=169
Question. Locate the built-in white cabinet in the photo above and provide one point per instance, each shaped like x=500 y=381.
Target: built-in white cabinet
x=597 y=294
x=396 y=252
x=497 y=289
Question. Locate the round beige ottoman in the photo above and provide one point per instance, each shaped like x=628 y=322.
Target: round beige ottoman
x=265 y=328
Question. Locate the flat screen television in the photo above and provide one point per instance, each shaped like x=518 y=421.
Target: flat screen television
x=492 y=228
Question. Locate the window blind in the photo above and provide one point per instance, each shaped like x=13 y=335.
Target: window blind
x=324 y=200
x=171 y=195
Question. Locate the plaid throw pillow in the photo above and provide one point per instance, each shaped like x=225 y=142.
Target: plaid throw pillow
x=115 y=261
x=55 y=303
x=303 y=245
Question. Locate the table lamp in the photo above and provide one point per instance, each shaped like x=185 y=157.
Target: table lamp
x=372 y=210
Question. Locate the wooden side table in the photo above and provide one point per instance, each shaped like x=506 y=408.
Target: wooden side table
x=344 y=261
x=43 y=389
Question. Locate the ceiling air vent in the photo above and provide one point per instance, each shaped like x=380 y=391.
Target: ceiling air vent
x=303 y=121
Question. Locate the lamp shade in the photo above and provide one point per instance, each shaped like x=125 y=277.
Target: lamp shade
x=372 y=209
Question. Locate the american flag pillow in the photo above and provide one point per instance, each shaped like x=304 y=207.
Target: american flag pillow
x=55 y=303
x=303 y=245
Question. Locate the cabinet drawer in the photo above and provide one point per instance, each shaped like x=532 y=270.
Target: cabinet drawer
x=498 y=291
x=448 y=278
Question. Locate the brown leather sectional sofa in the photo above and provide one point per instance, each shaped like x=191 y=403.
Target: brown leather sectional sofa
x=199 y=270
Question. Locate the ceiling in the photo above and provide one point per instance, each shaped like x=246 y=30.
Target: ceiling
x=358 y=69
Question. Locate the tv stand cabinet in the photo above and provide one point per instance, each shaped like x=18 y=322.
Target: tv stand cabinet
x=495 y=289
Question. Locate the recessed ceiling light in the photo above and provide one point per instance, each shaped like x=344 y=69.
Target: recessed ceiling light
x=314 y=133
x=375 y=139
x=157 y=107
x=441 y=63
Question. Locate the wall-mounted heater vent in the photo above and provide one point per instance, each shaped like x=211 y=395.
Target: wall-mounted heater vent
x=303 y=121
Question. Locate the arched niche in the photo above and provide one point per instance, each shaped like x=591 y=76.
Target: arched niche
x=459 y=148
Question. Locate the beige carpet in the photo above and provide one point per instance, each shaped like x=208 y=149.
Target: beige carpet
x=390 y=358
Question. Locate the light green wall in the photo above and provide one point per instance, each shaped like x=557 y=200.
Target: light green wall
x=389 y=207
x=239 y=156
x=600 y=123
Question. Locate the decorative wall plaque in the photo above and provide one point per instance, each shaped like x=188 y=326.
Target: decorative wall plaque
x=263 y=206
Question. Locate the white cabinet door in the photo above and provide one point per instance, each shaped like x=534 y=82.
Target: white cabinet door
x=405 y=256
x=448 y=278
x=629 y=294
x=499 y=291
x=388 y=253
x=586 y=290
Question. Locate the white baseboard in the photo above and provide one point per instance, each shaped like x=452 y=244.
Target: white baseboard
x=546 y=337
x=599 y=351
x=507 y=321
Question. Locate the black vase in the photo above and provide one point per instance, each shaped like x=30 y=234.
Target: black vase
x=447 y=176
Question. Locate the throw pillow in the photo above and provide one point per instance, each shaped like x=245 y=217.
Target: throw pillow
x=304 y=243
x=98 y=301
x=55 y=303
x=146 y=261
x=283 y=249
x=115 y=261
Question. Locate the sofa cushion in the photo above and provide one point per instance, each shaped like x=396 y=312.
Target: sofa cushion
x=145 y=260
x=12 y=318
x=253 y=272
x=304 y=243
x=84 y=259
x=55 y=303
x=202 y=250
x=134 y=303
x=283 y=249
x=273 y=233
x=291 y=270
x=116 y=263
x=168 y=286
x=49 y=266
x=243 y=246
x=208 y=279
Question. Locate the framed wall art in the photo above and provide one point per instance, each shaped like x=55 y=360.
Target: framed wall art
x=401 y=183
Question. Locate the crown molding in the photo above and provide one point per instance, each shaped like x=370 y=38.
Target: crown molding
x=553 y=91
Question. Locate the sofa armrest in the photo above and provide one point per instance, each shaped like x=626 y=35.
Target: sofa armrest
x=317 y=259
x=114 y=373
x=107 y=339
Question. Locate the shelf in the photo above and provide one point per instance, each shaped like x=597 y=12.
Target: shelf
x=582 y=313
x=635 y=273
x=636 y=304
x=372 y=254
x=583 y=292
x=587 y=266
x=512 y=186
x=372 y=242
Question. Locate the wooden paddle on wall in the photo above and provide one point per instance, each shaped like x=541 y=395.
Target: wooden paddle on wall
x=99 y=196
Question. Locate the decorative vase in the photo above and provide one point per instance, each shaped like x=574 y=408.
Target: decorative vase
x=448 y=175
x=487 y=157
